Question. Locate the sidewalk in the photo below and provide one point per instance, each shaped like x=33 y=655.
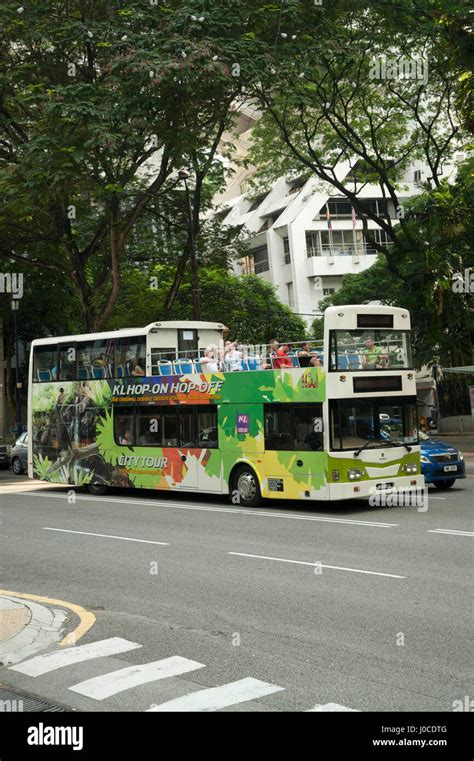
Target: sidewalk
x=14 y=616
x=27 y=628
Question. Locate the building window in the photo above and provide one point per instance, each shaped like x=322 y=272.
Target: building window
x=340 y=208
x=286 y=251
x=328 y=291
x=260 y=260
x=291 y=296
x=257 y=201
x=266 y=225
x=313 y=244
x=417 y=176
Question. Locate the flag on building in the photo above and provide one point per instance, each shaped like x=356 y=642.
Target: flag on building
x=328 y=217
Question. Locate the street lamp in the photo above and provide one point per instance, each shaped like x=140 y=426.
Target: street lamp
x=15 y=305
x=183 y=174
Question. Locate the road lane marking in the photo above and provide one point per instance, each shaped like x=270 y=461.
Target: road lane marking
x=105 y=536
x=208 y=508
x=453 y=531
x=101 y=687
x=318 y=565
x=331 y=707
x=42 y=664
x=219 y=697
x=87 y=619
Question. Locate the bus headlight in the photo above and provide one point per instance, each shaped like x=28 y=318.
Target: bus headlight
x=410 y=468
x=354 y=474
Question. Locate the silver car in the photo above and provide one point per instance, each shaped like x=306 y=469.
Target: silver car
x=19 y=455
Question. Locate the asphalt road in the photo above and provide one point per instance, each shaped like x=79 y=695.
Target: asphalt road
x=372 y=613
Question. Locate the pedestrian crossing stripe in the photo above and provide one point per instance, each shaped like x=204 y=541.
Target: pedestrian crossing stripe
x=101 y=687
x=214 y=698
x=42 y=664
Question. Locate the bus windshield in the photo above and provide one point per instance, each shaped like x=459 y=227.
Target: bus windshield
x=354 y=422
x=370 y=350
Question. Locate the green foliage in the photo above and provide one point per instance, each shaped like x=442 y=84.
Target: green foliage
x=442 y=319
x=248 y=305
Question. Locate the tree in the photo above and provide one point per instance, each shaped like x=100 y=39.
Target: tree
x=435 y=288
x=373 y=98
x=98 y=108
x=247 y=305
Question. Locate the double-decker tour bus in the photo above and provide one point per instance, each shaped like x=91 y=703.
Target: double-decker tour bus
x=172 y=407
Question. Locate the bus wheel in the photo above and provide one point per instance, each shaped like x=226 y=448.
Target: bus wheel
x=445 y=483
x=97 y=489
x=245 y=487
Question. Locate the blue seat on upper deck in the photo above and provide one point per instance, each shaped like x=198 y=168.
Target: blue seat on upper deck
x=165 y=367
x=44 y=375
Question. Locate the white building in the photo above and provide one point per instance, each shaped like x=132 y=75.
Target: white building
x=291 y=244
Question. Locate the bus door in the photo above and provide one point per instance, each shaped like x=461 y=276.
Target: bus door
x=209 y=463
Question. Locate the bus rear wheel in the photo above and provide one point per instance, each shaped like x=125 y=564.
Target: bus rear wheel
x=97 y=489
x=245 y=487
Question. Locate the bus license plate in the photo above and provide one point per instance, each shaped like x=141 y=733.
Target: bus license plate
x=384 y=486
x=450 y=468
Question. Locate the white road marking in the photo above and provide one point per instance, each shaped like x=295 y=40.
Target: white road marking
x=105 y=536
x=453 y=531
x=331 y=707
x=220 y=697
x=101 y=687
x=208 y=508
x=319 y=565
x=42 y=664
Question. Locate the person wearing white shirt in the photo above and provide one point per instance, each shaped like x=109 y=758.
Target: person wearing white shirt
x=233 y=359
x=209 y=362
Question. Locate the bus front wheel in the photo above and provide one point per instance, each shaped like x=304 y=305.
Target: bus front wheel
x=245 y=487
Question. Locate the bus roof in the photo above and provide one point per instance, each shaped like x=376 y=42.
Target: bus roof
x=130 y=332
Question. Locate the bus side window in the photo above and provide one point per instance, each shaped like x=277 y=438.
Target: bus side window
x=45 y=364
x=278 y=434
x=124 y=426
x=308 y=427
x=187 y=430
x=169 y=421
x=207 y=428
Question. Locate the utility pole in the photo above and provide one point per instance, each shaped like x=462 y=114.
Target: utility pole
x=3 y=410
x=183 y=174
x=15 y=305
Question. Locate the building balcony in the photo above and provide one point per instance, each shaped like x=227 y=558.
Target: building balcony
x=331 y=250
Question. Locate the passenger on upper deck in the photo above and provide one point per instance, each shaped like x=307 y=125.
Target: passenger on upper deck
x=209 y=361
x=232 y=358
x=273 y=348
x=136 y=365
x=281 y=358
x=372 y=356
